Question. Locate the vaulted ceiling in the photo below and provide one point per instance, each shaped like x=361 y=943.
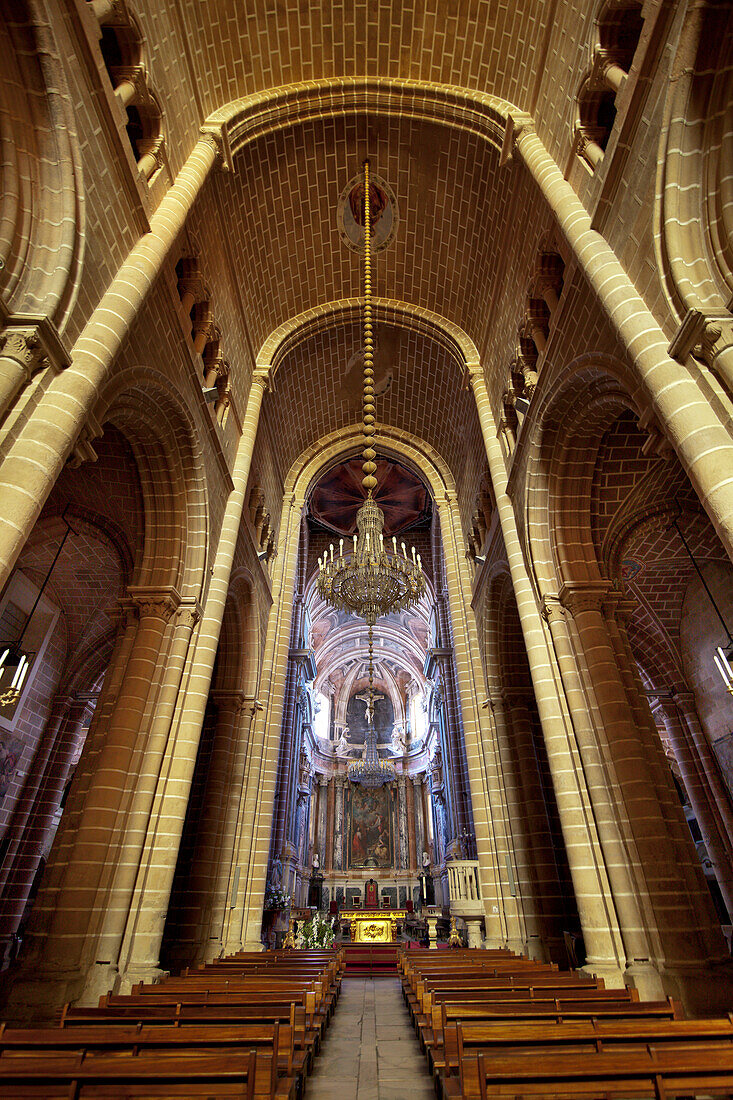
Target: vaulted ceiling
x=235 y=49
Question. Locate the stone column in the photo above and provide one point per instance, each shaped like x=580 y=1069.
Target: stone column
x=158 y=867
x=412 y=859
x=206 y=889
x=340 y=782
x=404 y=862
x=256 y=820
x=719 y=796
x=604 y=947
x=330 y=811
x=53 y=729
x=91 y=906
x=693 y=777
x=491 y=826
x=700 y=439
x=321 y=839
x=512 y=740
x=34 y=462
x=675 y=922
x=143 y=822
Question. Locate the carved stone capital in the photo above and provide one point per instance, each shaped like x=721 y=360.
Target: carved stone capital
x=189 y=614
x=703 y=333
x=218 y=139
x=151 y=602
x=83 y=450
x=517 y=124
x=191 y=280
x=31 y=342
x=234 y=701
x=134 y=76
x=579 y=598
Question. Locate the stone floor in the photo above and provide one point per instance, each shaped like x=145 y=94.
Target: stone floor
x=370 y=1051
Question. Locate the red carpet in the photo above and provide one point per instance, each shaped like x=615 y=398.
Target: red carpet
x=371 y=959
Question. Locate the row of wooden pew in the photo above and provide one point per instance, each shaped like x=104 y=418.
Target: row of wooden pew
x=496 y=1024
x=249 y=1025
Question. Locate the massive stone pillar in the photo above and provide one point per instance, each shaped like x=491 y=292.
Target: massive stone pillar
x=667 y=918
x=605 y=950
x=706 y=811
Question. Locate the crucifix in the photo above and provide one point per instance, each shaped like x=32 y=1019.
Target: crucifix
x=369 y=697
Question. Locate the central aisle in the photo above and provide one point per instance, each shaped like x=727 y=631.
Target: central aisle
x=370 y=1051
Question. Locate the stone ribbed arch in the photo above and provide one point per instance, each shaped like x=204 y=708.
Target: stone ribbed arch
x=568 y=421
x=388 y=310
x=693 y=221
x=42 y=203
x=252 y=117
x=239 y=645
x=144 y=406
x=506 y=659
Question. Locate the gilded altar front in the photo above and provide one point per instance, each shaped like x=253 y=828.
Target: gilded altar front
x=373 y=925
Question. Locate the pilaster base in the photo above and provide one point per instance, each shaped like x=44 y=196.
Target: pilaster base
x=611 y=973
x=705 y=990
x=250 y=945
x=475 y=938
x=150 y=975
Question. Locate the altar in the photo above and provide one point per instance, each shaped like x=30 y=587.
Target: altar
x=373 y=925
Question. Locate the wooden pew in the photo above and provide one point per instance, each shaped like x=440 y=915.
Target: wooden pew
x=662 y=1074
x=464 y=1039
x=524 y=1030
x=247 y=1030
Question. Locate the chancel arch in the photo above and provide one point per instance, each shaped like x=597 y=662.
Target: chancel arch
x=479 y=745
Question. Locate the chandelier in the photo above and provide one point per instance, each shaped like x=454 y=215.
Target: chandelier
x=370 y=771
x=370 y=582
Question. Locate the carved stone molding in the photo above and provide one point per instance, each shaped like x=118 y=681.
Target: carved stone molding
x=552 y=610
x=578 y=598
x=32 y=342
x=151 y=602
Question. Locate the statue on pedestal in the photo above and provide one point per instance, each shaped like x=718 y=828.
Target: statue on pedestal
x=427 y=888
x=342 y=746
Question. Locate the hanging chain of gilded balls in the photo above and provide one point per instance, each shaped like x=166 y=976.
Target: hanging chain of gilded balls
x=369 y=466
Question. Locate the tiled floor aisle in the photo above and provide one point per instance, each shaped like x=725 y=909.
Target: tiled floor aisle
x=370 y=1051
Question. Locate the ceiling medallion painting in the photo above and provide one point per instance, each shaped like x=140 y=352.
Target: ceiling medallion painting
x=400 y=494
x=384 y=214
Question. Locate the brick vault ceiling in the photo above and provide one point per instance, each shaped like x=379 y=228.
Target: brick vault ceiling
x=236 y=49
x=280 y=209
x=423 y=392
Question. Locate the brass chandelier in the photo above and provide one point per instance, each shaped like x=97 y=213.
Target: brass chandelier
x=370 y=582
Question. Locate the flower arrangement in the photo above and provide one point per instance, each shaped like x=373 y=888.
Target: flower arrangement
x=317 y=932
x=276 y=899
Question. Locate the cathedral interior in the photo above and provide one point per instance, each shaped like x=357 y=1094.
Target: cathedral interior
x=183 y=349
